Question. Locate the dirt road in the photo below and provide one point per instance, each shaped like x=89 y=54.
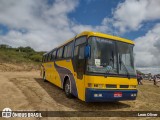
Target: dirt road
x=27 y=91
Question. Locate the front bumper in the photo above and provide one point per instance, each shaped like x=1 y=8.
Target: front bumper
x=108 y=95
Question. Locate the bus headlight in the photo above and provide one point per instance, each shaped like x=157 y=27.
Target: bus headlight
x=98 y=95
x=89 y=84
x=95 y=85
x=134 y=95
x=98 y=85
x=133 y=86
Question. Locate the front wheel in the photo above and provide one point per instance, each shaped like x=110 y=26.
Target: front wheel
x=67 y=89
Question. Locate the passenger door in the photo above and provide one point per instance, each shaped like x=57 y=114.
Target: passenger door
x=80 y=61
x=79 y=66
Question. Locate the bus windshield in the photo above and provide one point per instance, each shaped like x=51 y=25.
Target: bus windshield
x=110 y=56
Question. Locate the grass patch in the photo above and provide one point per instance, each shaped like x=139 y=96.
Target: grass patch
x=20 y=55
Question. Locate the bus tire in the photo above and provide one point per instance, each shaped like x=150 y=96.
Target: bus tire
x=44 y=77
x=67 y=89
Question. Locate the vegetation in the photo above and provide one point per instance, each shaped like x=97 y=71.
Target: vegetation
x=19 y=55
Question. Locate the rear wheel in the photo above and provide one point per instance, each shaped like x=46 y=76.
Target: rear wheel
x=67 y=89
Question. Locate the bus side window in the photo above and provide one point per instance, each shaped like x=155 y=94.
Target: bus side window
x=59 y=53
x=76 y=51
x=53 y=55
x=57 y=57
x=68 y=50
x=79 y=44
x=65 y=51
x=44 y=58
x=56 y=54
x=50 y=58
x=47 y=58
x=80 y=40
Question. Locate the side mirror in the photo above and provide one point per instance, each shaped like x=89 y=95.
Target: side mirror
x=87 y=51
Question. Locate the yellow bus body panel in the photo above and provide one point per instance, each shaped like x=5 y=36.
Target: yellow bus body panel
x=110 y=81
x=79 y=83
x=52 y=74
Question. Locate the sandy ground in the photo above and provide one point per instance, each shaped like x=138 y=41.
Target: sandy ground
x=27 y=91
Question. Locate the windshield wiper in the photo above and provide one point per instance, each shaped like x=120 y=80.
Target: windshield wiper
x=128 y=75
x=106 y=73
x=109 y=68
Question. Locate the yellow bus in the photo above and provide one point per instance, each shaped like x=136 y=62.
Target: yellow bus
x=93 y=67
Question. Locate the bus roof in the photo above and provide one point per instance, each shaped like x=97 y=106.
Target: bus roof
x=98 y=34
x=103 y=35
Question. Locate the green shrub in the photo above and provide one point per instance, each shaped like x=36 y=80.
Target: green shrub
x=19 y=55
x=36 y=58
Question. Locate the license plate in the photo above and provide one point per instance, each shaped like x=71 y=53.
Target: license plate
x=117 y=94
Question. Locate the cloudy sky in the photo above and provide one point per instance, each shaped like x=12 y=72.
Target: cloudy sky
x=44 y=24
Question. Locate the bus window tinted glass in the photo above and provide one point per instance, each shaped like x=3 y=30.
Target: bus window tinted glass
x=125 y=57
x=70 y=46
x=76 y=51
x=103 y=55
x=50 y=56
x=68 y=50
x=59 y=54
x=65 y=51
x=80 y=40
x=53 y=55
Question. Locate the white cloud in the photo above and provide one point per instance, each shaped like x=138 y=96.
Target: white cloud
x=45 y=26
x=131 y=14
x=147 y=48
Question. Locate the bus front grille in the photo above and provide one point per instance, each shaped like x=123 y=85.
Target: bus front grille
x=124 y=86
x=111 y=86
